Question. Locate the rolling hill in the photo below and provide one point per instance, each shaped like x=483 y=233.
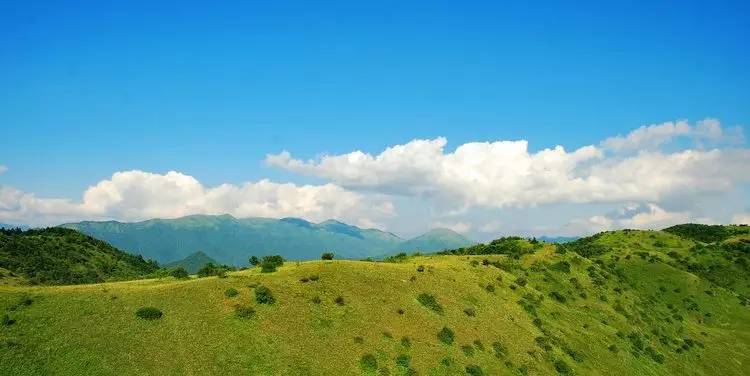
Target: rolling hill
x=192 y=263
x=64 y=256
x=623 y=302
x=435 y=240
x=231 y=240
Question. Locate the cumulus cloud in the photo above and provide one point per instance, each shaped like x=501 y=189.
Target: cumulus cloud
x=648 y=216
x=505 y=173
x=136 y=195
x=652 y=136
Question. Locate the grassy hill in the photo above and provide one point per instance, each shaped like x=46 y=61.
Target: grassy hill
x=63 y=256
x=625 y=302
x=231 y=240
x=192 y=263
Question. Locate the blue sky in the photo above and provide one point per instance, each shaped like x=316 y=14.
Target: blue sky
x=93 y=88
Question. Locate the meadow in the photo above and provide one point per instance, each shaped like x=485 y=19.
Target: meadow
x=630 y=308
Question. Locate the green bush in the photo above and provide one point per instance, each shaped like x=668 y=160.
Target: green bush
x=231 y=292
x=499 y=349
x=254 y=261
x=339 y=300
x=468 y=350
x=406 y=342
x=315 y=300
x=470 y=312
x=430 y=302
x=420 y=268
x=314 y=277
x=521 y=281
x=327 y=256
x=7 y=320
x=269 y=263
x=148 y=313
x=368 y=363
x=474 y=370
x=244 y=312
x=562 y=368
x=446 y=336
x=263 y=295
x=403 y=361
x=179 y=273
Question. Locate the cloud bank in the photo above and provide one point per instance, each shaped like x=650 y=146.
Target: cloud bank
x=652 y=177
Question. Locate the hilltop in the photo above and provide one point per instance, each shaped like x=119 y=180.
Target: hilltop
x=232 y=240
x=192 y=263
x=436 y=240
x=64 y=256
x=627 y=302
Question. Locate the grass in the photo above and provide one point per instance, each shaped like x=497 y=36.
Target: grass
x=71 y=330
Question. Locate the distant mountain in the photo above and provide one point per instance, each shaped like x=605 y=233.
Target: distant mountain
x=63 y=256
x=9 y=226
x=192 y=263
x=435 y=240
x=231 y=240
x=557 y=239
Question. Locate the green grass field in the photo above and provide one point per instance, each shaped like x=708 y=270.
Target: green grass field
x=633 y=310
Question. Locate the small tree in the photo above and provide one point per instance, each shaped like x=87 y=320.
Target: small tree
x=179 y=273
x=327 y=256
x=254 y=261
x=269 y=263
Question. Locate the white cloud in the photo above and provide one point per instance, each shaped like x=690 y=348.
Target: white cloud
x=504 y=173
x=645 y=216
x=652 y=136
x=136 y=195
x=741 y=218
x=3 y=169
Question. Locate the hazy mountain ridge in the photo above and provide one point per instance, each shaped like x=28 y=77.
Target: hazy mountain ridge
x=232 y=240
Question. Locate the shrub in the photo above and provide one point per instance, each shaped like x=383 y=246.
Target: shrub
x=269 y=263
x=420 y=268
x=7 y=321
x=479 y=345
x=327 y=256
x=406 y=342
x=557 y=296
x=231 y=292
x=400 y=311
x=403 y=361
x=244 y=312
x=179 y=273
x=562 y=368
x=499 y=349
x=263 y=295
x=148 y=313
x=490 y=288
x=445 y=336
x=521 y=281
x=474 y=370
x=254 y=261
x=430 y=302
x=359 y=340
x=315 y=300
x=339 y=300
x=314 y=277
x=470 y=312
x=304 y=279
x=468 y=350
x=368 y=363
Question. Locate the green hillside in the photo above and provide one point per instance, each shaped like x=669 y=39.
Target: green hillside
x=623 y=302
x=63 y=256
x=435 y=240
x=231 y=240
x=192 y=263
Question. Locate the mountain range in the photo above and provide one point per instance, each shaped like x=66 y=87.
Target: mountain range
x=231 y=240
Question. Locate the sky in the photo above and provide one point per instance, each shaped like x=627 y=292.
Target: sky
x=490 y=119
